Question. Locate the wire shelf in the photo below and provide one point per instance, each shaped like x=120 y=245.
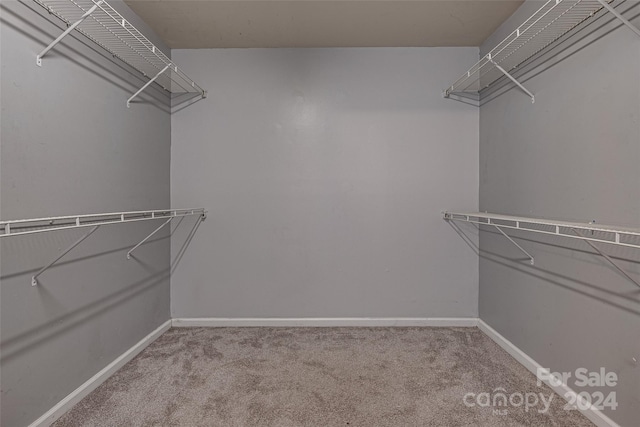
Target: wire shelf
x=38 y=225
x=20 y=227
x=549 y=23
x=110 y=30
x=622 y=236
x=588 y=232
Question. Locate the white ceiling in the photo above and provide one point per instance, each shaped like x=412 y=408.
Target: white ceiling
x=189 y=24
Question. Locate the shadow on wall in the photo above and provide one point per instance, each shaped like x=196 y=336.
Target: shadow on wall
x=627 y=300
x=184 y=100
x=17 y=345
x=80 y=50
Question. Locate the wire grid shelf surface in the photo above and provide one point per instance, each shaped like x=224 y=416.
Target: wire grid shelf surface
x=553 y=20
x=107 y=28
x=622 y=236
x=38 y=225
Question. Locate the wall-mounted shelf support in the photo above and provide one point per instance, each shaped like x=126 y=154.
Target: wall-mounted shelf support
x=146 y=84
x=510 y=77
x=588 y=232
x=608 y=258
x=148 y=237
x=617 y=14
x=549 y=24
x=21 y=227
x=531 y=260
x=101 y=23
x=34 y=278
x=65 y=33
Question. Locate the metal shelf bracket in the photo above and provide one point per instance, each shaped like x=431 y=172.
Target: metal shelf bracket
x=531 y=260
x=148 y=237
x=146 y=85
x=203 y=216
x=608 y=258
x=66 y=32
x=617 y=14
x=510 y=77
x=34 y=278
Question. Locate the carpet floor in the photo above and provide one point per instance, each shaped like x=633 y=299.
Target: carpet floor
x=321 y=377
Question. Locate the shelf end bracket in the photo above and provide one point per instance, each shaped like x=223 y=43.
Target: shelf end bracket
x=66 y=32
x=148 y=237
x=624 y=20
x=510 y=77
x=146 y=85
x=607 y=257
x=516 y=244
x=34 y=278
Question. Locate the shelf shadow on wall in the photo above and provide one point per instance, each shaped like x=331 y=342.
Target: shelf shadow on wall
x=23 y=342
x=184 y=100
x=469 y=99
x=553 y=277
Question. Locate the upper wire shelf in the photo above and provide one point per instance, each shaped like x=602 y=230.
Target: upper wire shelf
x=102 y=24
x=549 y=23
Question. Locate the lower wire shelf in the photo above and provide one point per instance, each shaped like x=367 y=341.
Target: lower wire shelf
x=588 y=232
x=21 y=227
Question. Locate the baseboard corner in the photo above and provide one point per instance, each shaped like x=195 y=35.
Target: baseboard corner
x=92 y=383
x=593 y=414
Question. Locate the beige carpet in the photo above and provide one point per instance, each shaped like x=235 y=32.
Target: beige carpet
x=318 y=377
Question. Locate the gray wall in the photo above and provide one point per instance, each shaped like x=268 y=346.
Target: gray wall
x=70 y=146
x=325 y=171
x=573 y=155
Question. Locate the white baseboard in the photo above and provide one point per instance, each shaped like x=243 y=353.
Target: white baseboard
x=596 y=416
x=326 y=321
x=92 y=383
x=593 y=414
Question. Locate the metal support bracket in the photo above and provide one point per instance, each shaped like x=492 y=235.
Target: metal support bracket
x=524 y=89
x=148 y=237
x=34 y=278
x=617 y=14
x=146 y=85
x=513 y=241
x=608 y=258
x=66 y=32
